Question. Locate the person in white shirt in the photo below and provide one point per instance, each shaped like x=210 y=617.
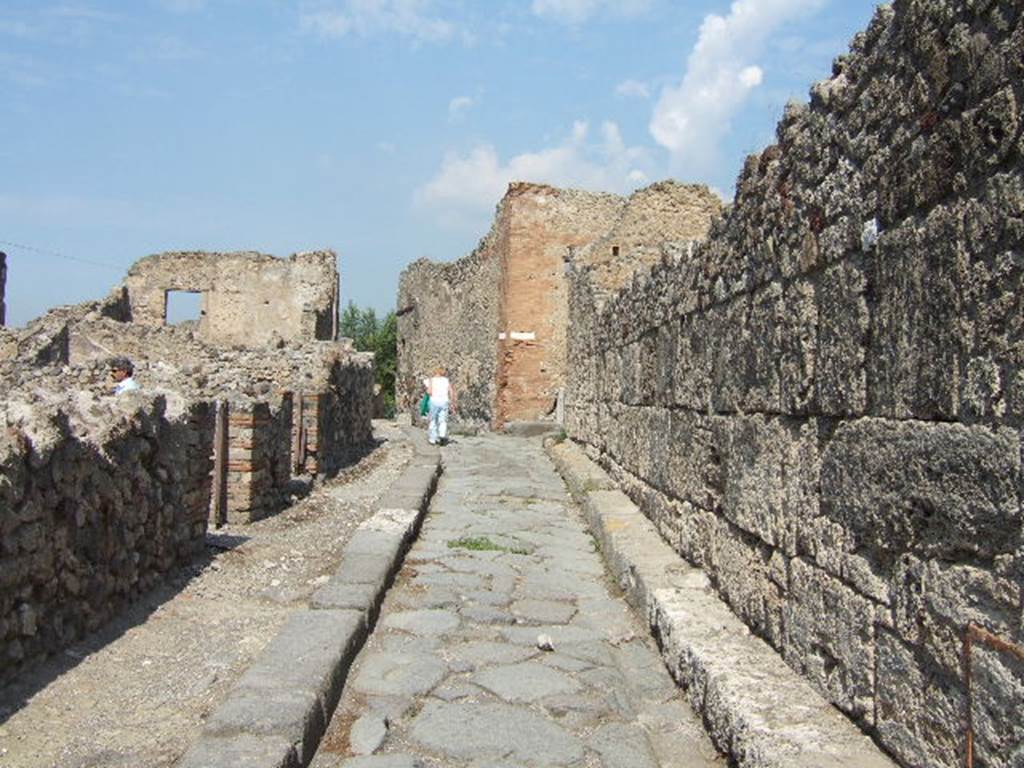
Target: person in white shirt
x=442 y=401
x=121 y=370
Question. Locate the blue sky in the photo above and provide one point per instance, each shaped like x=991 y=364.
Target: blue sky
x=384 y=129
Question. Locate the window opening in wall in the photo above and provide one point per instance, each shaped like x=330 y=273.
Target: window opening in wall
x=183 y=307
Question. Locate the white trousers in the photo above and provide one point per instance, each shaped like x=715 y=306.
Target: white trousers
x=438 y=428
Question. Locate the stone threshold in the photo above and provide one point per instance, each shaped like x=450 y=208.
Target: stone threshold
x=276 y=714
x=758 y=711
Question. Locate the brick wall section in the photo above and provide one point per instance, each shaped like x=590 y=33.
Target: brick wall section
x=830 y=426
x=543 y=223
x=259 y=455
x=89 y=524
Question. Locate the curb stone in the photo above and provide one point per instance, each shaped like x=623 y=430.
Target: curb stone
x=758 y=711
x=276 y=714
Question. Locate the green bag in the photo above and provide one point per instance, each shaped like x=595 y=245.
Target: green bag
x=425 y=405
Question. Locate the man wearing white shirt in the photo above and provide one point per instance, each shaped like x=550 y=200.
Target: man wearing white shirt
x=121 y=371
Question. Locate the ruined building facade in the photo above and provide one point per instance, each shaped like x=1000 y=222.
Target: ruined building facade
x=498 y=318
x=101 y=496
x=248 y=299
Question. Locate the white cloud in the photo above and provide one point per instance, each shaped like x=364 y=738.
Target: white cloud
x=690 y=118
x=574 y=12
x=408 y=18
x=474 y=182
x=459 y=105
x=633 y=89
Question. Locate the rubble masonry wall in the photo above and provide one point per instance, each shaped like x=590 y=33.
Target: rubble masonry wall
x=829 y=424
x=448 y=315
x=91 y=522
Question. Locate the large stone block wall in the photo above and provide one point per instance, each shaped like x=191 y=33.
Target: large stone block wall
x=829 y=422
x=89 y=523
x=248 y=299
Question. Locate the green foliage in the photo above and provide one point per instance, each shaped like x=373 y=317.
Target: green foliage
x=371 y=334
x=484 y=544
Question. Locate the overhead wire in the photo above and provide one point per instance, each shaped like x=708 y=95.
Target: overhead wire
x=47 y=252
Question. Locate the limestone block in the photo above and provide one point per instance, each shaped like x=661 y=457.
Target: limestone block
x=798 y=351
x=740 y=568
x=693 y=466
x=697 y=530
x=691 y=377
x=665 y=363
x=647 y=373
x=919 y=711
x=937 y=490
x=830 y=638
x=655 y=432
x=997 y=690
x=914 y=356
x=934 y=601
x=629 y=374
x=843 y=323
x=770 y=471
x=832 y=548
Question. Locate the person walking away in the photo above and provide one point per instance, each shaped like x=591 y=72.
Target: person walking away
x=442 y=400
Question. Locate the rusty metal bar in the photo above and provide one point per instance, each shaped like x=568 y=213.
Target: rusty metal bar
x=971 y=634
x=220 y=464
x=297 y=403
x=300 y=434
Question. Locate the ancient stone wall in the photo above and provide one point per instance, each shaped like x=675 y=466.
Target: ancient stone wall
x=448 y=315
x=101 y=500
x=248 y=299
x=498 y=319
x=821 y=405
x=97 y=503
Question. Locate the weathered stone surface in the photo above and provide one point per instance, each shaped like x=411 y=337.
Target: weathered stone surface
x=367 y=734
x=401 y=674
x=491 y=731
x=233 y=751
x=525 y=682
x=935 y=489
x=830 y=638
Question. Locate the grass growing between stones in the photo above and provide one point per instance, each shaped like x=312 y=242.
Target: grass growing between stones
x=484 y=544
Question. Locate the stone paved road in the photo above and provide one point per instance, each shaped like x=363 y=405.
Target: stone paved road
x=453 y=675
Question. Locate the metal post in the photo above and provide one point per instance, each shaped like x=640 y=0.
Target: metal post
x=220 y=464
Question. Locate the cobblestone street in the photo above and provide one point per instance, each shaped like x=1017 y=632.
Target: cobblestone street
x=504 y=643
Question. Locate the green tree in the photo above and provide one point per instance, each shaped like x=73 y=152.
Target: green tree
x=369 y=334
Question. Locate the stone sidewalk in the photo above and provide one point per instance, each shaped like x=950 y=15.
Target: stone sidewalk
x=504 y=643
